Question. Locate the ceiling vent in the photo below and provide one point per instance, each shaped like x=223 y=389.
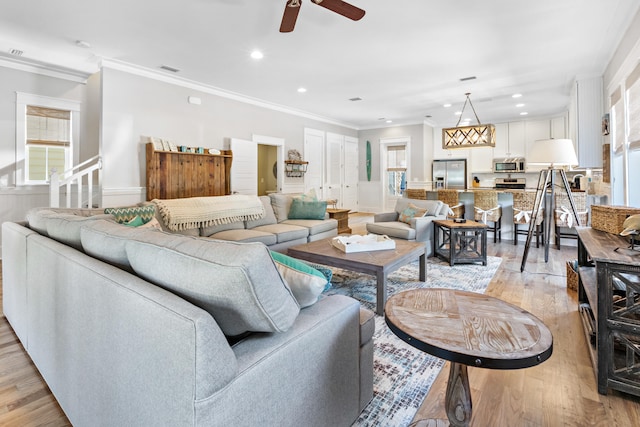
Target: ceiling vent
x=16 y=52
x=355 y=99
x=167 y=68
x=465 y=79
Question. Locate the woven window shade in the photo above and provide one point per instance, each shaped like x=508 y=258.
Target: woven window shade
x=617 y=120
x=48 y=126
x=633 y=102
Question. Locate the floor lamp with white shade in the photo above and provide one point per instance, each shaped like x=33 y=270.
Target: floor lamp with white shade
x=556 y=154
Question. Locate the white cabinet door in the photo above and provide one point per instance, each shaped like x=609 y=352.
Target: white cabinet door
x=559 y=127
x=244 y=167
x=350 y=183
x=314 y=154
x=333 y=167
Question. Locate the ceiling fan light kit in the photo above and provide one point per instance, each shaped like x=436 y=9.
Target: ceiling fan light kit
x=292 y=9
x=480 y=135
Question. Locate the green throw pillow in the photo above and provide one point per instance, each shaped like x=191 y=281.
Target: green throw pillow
x=127 y=213
x=302 y=209
x=305 y=282
x=135 y=222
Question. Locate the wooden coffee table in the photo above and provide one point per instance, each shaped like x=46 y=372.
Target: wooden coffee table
x=376 y=263
x=460 y=243
x=468 y=329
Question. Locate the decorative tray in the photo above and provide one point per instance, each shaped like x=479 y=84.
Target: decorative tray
x=357 y=243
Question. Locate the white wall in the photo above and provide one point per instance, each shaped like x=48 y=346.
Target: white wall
x=135 y=106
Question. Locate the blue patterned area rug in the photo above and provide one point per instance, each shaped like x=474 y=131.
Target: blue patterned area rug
x=402 y=374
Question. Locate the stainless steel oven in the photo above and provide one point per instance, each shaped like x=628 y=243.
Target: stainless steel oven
x=510 y=165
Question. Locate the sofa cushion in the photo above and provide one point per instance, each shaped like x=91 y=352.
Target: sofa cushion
x=395 y=229
x=269 y=215
x=305 y=282
x=284 y=232
x=246 y=236
x=432 y=207
x=315 y=226
x=412 y=211
x=303 y=209
x=209 y=231
x=281 y=203
x=64 y=227
x=238 y=284
x=106 y=240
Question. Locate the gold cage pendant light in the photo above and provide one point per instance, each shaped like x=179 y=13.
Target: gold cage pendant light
x=479 y=135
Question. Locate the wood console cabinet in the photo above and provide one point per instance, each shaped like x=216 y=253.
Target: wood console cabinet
x=609 y=290
x=175 y=175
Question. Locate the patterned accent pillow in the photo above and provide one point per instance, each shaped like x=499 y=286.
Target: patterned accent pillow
x=412 y=211
x=128 y=213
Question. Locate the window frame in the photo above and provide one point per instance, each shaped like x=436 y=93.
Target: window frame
x=72 y=155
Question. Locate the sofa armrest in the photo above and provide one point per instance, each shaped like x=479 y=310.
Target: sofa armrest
x=424 y=227
x=385 y=217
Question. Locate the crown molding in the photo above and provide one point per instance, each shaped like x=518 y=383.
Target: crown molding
x=37 y=67
x=212 y=90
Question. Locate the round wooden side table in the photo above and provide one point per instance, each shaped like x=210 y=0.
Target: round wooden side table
x=468 y=329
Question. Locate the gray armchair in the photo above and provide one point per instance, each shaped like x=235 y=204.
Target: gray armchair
x=419 y=229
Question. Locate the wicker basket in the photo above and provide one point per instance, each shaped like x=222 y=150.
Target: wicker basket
x=610 y=218
x=572 y=277
x=414 y=193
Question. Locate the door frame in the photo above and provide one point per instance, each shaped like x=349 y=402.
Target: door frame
x=279 y=144
x=388 y=201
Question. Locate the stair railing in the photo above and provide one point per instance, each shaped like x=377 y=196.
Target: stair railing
x=75 y=175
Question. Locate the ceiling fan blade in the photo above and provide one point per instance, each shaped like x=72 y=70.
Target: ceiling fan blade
x=344 y=9
x=290 y=15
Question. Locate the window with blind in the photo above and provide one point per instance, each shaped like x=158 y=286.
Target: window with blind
x=632 y=85
x=396 y=169
x=48 y=141
x=617 y=120
x=46 y=129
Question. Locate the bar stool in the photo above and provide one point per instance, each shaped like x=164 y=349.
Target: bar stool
x=487 y=209
x=523 y=203
x=416 y=193
x=451 y=198
x=564 y=219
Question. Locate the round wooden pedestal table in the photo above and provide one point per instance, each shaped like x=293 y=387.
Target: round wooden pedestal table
x=468 y=329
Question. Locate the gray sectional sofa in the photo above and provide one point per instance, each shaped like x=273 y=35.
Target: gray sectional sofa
x=136 y=326
x=275 y=229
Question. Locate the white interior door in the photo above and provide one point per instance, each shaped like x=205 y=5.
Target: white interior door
x=244 y=167
x=350 y=183
x=333 y=167
x=314 y=154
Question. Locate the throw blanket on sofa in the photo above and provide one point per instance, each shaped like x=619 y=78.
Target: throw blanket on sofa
x=195 y=212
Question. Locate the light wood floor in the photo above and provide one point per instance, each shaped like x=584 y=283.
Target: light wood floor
x=559 y=392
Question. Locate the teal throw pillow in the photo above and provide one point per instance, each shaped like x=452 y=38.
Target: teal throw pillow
x=305 y=282
x=412 y=211
x=302 y=209
x=135 y=222
x=127 y=213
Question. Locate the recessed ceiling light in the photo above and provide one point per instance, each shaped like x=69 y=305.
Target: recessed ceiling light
x=256 y=54
x=516 y=95
x=524 y=113
x=458 y=113
x=519 y=105
x=447 y=105
x=389 y=121
x=302 y=90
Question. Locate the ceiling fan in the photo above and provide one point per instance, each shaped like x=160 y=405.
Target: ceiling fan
x=292 y=9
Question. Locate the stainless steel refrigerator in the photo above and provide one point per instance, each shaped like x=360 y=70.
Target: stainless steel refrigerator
x=450 y=174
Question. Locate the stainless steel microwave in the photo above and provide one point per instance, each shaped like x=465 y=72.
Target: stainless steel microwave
x=511 y=165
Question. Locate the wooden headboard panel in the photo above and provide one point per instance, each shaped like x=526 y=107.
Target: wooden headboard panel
x=175 y=175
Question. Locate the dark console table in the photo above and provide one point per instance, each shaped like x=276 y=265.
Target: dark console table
x=609 y=304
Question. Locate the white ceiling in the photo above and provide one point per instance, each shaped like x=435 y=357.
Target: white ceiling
x=404 y=58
